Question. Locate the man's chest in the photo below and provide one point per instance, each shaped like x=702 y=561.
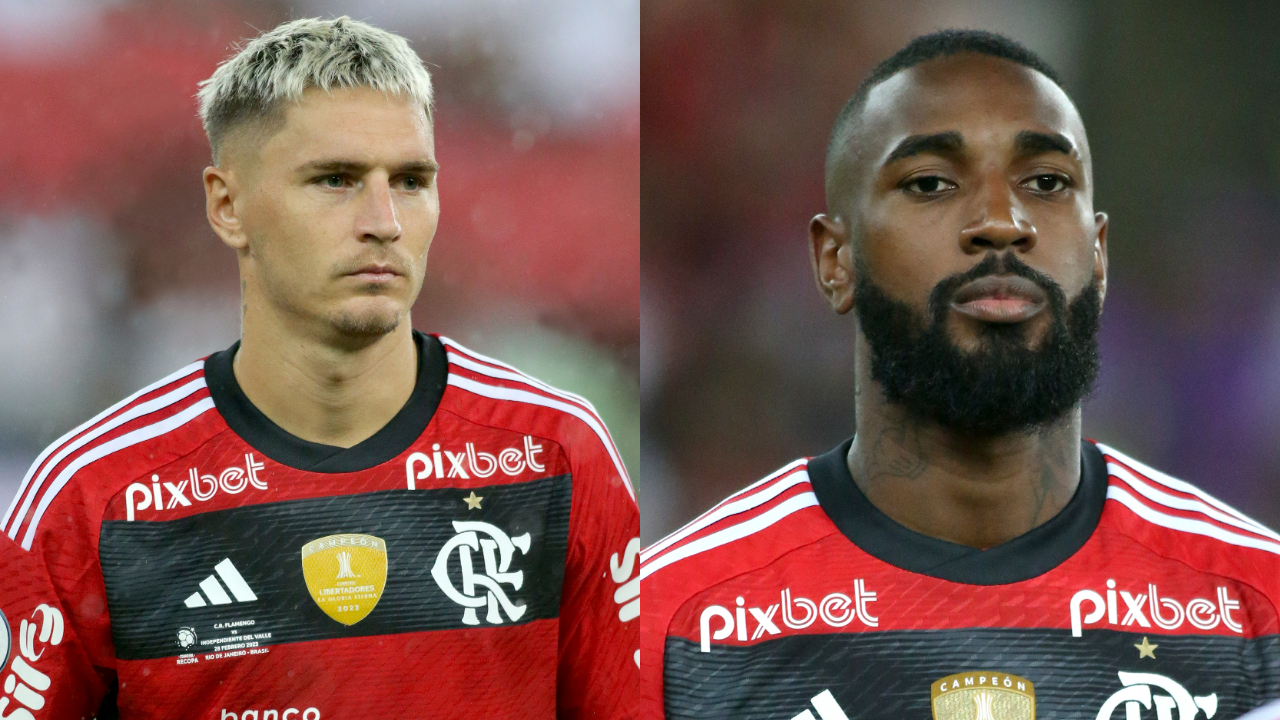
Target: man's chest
x=1103 y=635
x=249 y=566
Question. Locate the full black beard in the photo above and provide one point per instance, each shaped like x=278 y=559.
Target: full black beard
x=1002 y=387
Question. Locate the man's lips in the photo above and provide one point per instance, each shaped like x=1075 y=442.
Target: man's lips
x=1000 y=299
x=375 y=273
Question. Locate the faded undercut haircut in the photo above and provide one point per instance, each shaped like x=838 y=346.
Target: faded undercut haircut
x=252 y=87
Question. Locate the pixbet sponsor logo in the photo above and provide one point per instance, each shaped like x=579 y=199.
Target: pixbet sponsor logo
x=836 y=610
x=1144 y=608
x=232 y=480
x=308 y=714
x=1140 y=693
x=470 y=462
x=25 y=684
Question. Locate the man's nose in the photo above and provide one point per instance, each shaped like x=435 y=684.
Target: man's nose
x=377 y=220
x=999 y=221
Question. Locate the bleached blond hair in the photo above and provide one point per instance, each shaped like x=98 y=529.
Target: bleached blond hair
x=252 y=86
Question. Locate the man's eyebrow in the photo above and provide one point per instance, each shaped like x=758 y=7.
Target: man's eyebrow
x=1030 y=142
x=359 y=168
x=943 y=143
x=419 y=166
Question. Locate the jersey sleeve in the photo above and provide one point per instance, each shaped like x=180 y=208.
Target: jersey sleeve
x=49 y=674
x=600 y=605
x=652 y=638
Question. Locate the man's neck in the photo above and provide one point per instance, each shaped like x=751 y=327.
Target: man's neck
x=975 y=491
x=332 y=393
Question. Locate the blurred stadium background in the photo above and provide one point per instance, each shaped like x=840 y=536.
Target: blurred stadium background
x=110 y=276
x=743 y=367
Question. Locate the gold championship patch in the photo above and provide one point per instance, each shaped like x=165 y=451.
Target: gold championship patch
x=345 y=574
x=983 y=695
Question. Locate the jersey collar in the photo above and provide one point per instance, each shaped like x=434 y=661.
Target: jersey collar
x=1022 y=558
x=271 y=440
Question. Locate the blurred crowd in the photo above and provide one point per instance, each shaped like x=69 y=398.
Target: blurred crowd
x=743 y=367
x=110 y=276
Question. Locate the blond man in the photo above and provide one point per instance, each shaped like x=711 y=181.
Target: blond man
x=337 y=516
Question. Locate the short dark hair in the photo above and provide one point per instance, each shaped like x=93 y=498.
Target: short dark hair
x=927 y=47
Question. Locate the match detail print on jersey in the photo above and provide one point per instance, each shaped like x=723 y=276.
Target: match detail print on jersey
x=386 y=562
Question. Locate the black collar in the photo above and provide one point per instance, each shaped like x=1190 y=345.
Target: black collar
x=1022 y=558
x=273 y=441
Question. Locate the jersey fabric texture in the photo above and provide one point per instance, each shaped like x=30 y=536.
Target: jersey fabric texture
x=181 y=556
x=797 y=599
x=1270 y=711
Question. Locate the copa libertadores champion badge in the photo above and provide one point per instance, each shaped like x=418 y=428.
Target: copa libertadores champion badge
x=983 y=695
x=345 y=574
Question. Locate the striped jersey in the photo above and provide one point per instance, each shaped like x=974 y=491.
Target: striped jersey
x=1270 y=711
x=797 y=599
x=181 y=556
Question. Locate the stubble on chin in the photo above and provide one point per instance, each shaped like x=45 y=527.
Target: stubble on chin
x=366 y=326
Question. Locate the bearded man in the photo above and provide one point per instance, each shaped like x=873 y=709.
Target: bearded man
x=966 y=553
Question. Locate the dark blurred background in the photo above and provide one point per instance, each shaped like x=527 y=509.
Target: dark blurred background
x=110 y=277
x=744 y=367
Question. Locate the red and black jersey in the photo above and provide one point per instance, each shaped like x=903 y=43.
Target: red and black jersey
x=1270 y=711
x=476 y=557
x=797 y=599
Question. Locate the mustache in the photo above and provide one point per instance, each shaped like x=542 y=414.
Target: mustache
x=994 y=264
x=397 y=263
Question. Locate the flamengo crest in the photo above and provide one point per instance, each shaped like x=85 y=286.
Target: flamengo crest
x=1145 y=692
x=481 y=589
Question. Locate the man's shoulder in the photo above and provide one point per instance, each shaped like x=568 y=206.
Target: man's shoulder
x=1177 y=520
x=747 y=531
x=500 y=394
x=98 y=458
x=492 y=393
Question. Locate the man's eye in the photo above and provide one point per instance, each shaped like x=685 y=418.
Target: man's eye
x=928 y=185
x=333 y=181
x=1048 y=183
x=412 y=183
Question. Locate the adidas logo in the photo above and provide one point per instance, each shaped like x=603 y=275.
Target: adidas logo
x=213 y=589
x=827 y=707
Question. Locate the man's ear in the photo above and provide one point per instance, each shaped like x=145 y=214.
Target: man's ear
x=1100 y=253
x=832 y=257
x=220 y=190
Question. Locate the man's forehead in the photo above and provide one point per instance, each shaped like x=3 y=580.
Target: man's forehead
x=972 y=94
x=355 y=112
x=358 y=124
